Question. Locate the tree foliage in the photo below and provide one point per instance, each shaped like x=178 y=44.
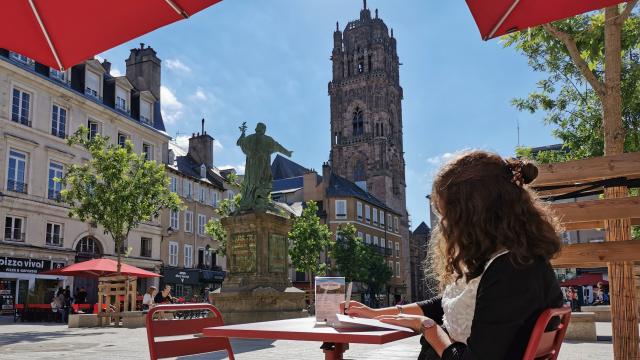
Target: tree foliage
x=359 y=262
x=567 y=94
x=309 y=238
x=117 y=188
x=214 y=228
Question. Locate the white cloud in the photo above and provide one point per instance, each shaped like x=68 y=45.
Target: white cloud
x=171 y=106
x=440 y=159
x=239 y=168
x=115 y=72
x=177 y=66
x=217 y=146
x=99 y=58
x=183 y=142
x=200 y=95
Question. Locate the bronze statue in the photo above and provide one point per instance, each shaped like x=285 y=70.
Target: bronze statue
x=256 y=186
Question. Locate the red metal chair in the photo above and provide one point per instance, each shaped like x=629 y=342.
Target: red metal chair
x=545 y=344
x=158 y=327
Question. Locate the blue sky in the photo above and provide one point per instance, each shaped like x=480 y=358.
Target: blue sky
x=255 y=60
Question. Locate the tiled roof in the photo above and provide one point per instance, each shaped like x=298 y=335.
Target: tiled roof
x=339 y=186
x=185 y=165
x=283 y=168
x=287 y=184
x=422 y=229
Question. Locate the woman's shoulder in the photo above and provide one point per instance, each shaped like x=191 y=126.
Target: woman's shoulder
x=505 y=266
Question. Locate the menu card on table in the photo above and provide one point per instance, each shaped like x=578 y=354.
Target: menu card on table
x=330 y=292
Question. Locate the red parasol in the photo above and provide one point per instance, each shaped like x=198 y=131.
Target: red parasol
x=62 y=33
x=100 y=267
x=498 y=17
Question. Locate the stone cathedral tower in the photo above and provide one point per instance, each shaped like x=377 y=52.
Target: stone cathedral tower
x=366 y=111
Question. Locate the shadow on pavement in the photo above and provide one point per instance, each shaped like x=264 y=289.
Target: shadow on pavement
x=33 y=337
x=239 y=347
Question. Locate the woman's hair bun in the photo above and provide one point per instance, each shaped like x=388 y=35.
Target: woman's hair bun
x=529 y=172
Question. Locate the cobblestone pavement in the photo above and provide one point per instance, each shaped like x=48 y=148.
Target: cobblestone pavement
x=53 y=341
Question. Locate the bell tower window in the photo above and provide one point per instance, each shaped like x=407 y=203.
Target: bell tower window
x=358 y=122
x=358 y=171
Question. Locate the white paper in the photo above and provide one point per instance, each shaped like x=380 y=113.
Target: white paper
x=370 y=322
x=329 y=295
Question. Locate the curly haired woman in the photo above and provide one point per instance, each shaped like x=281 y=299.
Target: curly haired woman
x=491 y=253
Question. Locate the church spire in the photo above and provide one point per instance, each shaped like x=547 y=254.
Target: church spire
x=364 y=4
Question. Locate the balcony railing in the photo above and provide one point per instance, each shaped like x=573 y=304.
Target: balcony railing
x=54 y=194
x=18 y=120
x=91 y=92
x=58 y=133
x=54 y=240
x=14 y=236
x=16 y=186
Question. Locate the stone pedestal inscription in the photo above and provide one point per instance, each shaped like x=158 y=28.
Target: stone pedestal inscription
x=243 y=253
x=277 y=253
x=257 y=287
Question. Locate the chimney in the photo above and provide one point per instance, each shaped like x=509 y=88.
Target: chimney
x=201 y=148
x=106 y=65
x=143 y=69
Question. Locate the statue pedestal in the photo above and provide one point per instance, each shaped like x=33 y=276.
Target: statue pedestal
x=257 y=287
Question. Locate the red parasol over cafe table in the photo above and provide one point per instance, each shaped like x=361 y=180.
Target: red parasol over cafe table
x=63 y=33
x=101 y=267
x=499 y=17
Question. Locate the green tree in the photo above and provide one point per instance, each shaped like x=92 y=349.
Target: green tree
x=309 y=238
x=117 y=188
x=359 y=262
x=214 y=228
x=592 y=67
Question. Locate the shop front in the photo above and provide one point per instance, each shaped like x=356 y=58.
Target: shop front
x=22 y=281
x=191 y=284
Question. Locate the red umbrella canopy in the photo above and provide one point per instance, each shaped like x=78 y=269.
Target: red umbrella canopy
x=499 y=17
x=101 y=267
x=63 y=33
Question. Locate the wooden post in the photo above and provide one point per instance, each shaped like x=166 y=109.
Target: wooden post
x=624 y=311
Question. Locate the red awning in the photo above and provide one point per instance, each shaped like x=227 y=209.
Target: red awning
x=498 y=17
x=101 y=267
x=585 y=280
x=62 y=33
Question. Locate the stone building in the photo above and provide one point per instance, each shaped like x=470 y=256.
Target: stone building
x=191 y=258
x=422 y=288
x=366 y=115
x=341 y=201
x=39 y=108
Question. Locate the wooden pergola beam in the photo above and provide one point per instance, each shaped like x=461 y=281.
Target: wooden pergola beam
x=597 y=210
x=597 y=254
x=589 y=225
x=588 y=170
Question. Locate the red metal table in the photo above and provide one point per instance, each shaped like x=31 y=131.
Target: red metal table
x=334 y=341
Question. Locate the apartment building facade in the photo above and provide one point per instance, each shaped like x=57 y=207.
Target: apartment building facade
x=343 y=202
x=192 y=262
x=39 y=108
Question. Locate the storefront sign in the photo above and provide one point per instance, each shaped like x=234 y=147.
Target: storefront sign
x=23 y=266
x=181 y=276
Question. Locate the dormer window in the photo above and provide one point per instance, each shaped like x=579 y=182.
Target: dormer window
x=92 y=84
x=58 y=75
x=203 y=171
x=21 y=58
x=121 y=99
x=145 y=112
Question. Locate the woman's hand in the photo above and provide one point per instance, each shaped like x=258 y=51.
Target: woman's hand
x=357 y=309
x=412 y=322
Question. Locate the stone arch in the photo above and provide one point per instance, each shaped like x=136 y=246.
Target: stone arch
x=88 y=246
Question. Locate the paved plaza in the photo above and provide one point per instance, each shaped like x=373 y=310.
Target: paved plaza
x=53 y=341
